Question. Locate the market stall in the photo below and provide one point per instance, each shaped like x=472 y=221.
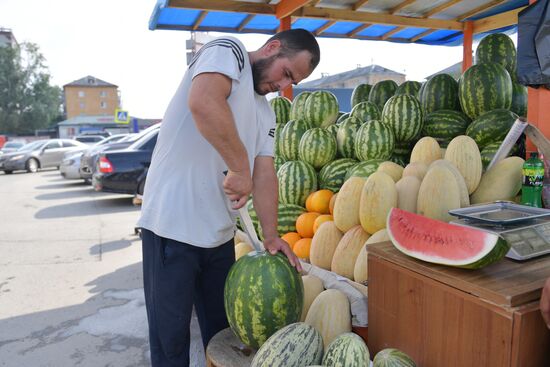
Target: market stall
x=366 y=197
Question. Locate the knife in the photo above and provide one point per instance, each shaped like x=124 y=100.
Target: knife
x=249 y=227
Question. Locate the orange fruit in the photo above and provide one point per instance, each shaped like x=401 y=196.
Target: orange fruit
x=320 y=201
x=304 y=224
x=302 y=247
x=291 y=238
x=308 y=202
x=320 y=220
x=331 y=204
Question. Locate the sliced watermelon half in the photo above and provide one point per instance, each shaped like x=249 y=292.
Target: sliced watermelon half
x=443 y=243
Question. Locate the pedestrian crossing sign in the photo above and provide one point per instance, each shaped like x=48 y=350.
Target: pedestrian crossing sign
x=121 y=116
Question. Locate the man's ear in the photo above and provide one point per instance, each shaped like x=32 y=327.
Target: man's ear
x=271 y=48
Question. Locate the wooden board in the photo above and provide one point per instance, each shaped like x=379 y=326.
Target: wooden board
x=225 y=350
x=508 y=283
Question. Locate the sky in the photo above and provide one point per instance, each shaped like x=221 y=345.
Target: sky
x=110 y=39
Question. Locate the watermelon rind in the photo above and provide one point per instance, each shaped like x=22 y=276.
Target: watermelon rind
x=281 y=108
x=297 y=179
x=427 y=239
x=321 y=108
x=391 y=357
x=410 y=87
x=297 y=108
x=360 y=94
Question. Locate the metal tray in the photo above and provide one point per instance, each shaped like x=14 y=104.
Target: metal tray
x=500 y=212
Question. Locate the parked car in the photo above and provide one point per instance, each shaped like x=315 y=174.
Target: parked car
x=89 y=159
x=70 y=166
x=122 y=171
x=11 y=146
x=89 y=139
x=39 y=154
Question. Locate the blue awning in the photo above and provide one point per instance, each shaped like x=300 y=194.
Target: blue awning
x=424 y=22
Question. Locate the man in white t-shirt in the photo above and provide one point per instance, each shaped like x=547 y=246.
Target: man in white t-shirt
x=218 y=121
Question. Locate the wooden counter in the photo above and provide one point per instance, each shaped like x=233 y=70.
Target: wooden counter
x=443 y=316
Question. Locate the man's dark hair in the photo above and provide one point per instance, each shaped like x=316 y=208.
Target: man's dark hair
x=297 y=40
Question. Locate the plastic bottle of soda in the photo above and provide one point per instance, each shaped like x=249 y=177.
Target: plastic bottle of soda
x=533 y=176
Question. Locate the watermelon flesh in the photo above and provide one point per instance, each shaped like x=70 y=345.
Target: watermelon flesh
x=443 y=243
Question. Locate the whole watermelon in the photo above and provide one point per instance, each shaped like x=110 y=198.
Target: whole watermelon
x=297 y=180
x=321 y=109
x=363 y=169
x=519 y=100
x=391 y=357
x=289 y=139
x=297 y=108
x=286 y=217
x=281 y=107
x=440 y=93
x=263 y=293
x=490 y=150
x=483 y=88
x=278 y=131
x=497 y=48
x=342 y=118
x=347 y=350
x=333 y=130
x=410 y=87
x=317 y=147
x=360 y=94
x=295 y=345
x=381 y=92
x=345 y=137
x=491 y=126
x=404 y=115
x=374 y=140
x=444 y=125
x=366 y=111
x=278 y=161
x=332 y=175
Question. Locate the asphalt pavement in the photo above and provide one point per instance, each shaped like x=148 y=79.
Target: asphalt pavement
x=71 y=291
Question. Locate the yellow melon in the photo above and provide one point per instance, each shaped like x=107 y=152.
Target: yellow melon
x=407 y=193
x=346 y=207
x=378 y=196
x=417 y=169
x=426 y=150
x=463 y=152
x=501 y=182
x=343 y=260
x=463 y=189
x=394 y=170
x=313 y=286
x=242 y=249
x=438 y=194
x=323 y=245
x=360 y=272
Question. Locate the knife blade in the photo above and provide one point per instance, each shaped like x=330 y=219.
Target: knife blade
x=249 y=229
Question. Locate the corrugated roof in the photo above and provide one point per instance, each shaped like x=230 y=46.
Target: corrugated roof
x=90 y=81
x=439 y=22
x=371 y=69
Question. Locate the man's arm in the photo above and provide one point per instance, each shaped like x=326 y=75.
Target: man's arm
x=545 y=303
x=265 y=194
x=208 y=104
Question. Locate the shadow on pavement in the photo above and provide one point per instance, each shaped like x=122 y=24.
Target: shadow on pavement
x=66 y=194
x=63 y=185
x=83 y=208
x=102 y=248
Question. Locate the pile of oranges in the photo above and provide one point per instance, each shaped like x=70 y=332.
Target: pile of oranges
x=319 y=205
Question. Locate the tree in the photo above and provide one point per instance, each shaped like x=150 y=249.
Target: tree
x=27 y=99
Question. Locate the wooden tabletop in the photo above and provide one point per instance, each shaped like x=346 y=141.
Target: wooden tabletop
x=507 y=283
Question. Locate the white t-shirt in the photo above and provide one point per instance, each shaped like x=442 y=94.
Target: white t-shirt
x=183 y=197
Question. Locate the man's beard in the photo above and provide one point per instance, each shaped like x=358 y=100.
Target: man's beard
x=259 y=71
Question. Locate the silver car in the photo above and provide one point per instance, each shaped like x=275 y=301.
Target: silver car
x=39 y=154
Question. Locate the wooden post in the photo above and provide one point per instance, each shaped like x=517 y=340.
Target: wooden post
x=285 y=24
x=538 y=101
x=467 y=45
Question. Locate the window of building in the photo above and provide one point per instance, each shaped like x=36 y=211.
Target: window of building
x=81 y=93
x=103 y=93
x=103 y=104
x=82 y=105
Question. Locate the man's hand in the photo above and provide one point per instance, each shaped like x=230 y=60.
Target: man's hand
x=545 y=303
x=237 y=186
x=276 y=244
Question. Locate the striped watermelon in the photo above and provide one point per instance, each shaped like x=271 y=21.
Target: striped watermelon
x=286 y=217
x=366 y=111
x=401 y=160
x=409 y=87
x=332 y=175
x=391 y=357
x=440 y=93
x=253 y=216
x=381 y=92
x=333 y=129
x=374 y=140
x=347 y=350
x=263 y=293
x=403 y=147
x=491 y=126
x=360 y=94
x=363 y=169
x=278 y=131
x=519 y=100
x=321 y=109
x=497 y=48
x=490 y=150
x=345 y=137
x=281 y=107
x=289 y=140
x=278 y=161
x=404 y=115
x=444 y=125
x=421 y=91
x=295 y=345
x=297 y=180
x=342 y=117
x=317 y=147
x=297 y=108
x=483 y=88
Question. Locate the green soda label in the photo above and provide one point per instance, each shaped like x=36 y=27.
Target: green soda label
x=533 y=176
